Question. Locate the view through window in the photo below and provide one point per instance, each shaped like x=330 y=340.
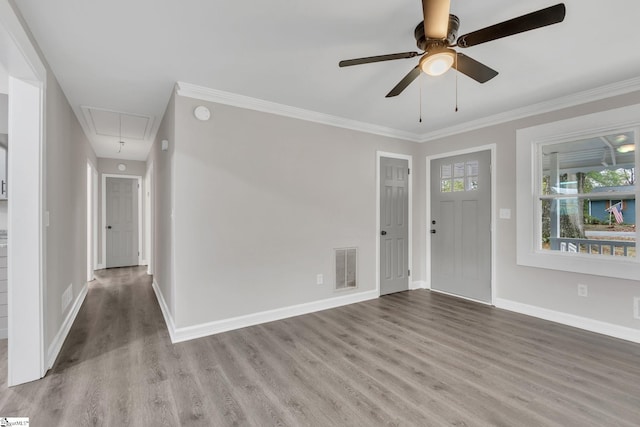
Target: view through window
x=586 y=190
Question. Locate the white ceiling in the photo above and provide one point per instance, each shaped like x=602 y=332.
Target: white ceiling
x=125 y=56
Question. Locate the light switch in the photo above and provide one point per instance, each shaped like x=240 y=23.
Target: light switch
x=505 y=213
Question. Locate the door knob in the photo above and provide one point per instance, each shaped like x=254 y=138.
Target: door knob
x=109 y=227
x=383 y=233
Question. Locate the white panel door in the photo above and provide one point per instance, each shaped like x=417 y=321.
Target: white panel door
x=461 y=225
x=394 y=225
x=121 y=222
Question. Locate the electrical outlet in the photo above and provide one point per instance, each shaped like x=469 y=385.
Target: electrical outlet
x=319 y=279
x=583 y=290
x=636 y=307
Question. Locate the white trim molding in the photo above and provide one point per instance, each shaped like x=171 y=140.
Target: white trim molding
x=235 y=100
x=420 y=284
x=438 y=291
x=597 y=326
x=164 y=308
x=56 y=344
x=225 y=325
x=578 y=98
x=529 y=144
x=595 y=94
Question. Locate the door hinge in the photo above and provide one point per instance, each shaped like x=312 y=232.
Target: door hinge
x=409 y=273
x=408 y=171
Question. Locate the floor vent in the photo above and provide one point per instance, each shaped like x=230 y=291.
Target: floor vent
x=346 y=268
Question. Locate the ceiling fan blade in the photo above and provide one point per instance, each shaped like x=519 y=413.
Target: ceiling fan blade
x=531 y=21
x=474 y=69
x=406 y=81
x=436 y=18
x=379 y=58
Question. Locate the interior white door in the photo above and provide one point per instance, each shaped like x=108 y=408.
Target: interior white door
x=121 y=222
x=461 y=225
x=394 y=225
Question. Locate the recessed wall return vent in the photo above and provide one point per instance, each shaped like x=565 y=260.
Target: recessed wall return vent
x=346 y=268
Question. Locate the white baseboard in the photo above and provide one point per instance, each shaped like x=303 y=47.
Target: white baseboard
x=168 y=319
x=100 y=267
x=224 y=325
x=420 y=284
x=56 y=344
x=144 y=262
x=438 y=291
x=4 y=334
x=616 y=331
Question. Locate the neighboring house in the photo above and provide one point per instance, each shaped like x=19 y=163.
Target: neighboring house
x=598 y=208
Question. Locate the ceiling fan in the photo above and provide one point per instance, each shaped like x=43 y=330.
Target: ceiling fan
x=436 y=36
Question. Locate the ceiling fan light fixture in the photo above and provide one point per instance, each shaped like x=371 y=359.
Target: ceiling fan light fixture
x=627 y=148
x=438 y=62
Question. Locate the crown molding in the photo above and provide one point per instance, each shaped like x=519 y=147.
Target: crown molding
x=595 y=94
x=235 y=100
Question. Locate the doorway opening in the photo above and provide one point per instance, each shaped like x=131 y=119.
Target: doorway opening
x=26 y=217
x=149 y=200
x=92 y=220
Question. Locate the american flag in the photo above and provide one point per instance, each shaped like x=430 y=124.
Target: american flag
x=617 y=213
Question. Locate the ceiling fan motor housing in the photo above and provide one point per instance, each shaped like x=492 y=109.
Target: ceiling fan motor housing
x=423 y=43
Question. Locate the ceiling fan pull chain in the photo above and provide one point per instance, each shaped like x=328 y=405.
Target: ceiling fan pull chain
x=456 y=59
x=420 y=100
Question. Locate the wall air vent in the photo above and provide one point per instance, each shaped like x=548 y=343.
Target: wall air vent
x=346 y=268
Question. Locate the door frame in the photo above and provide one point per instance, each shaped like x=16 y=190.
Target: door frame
x=149 y=219
x=409 y=158
x=138 y=178
x=26 y=237
x=493 y=169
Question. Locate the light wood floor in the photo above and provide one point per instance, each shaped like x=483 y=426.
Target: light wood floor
x=414 y=358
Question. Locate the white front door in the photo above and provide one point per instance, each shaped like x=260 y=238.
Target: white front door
x=121 y=222
x=461 y=225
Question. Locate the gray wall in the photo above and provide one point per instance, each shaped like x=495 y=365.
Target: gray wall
x=110 y=166
x=161 y=163
x=610 y=300
x=67 y=151
x=260 y=202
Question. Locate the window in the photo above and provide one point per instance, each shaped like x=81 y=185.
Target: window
x=462 y=176
x=585 y=191
x=577 y=192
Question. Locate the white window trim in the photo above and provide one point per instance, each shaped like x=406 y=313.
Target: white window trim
x=529 y=140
